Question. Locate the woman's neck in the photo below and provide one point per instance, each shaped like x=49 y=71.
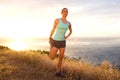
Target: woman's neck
x=64 y=20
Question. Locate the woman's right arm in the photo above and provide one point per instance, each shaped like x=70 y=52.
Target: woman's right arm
x=53 y=29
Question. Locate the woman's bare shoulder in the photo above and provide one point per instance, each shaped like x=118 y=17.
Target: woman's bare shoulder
x=57 y=20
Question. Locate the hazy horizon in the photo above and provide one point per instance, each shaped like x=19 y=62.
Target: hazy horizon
x=94 y=50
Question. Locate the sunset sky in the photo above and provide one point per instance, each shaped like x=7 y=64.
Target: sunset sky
x=34 y=18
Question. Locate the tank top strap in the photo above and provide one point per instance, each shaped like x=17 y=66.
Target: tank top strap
x=60 y=20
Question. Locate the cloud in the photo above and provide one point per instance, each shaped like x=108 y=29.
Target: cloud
x=97 y=8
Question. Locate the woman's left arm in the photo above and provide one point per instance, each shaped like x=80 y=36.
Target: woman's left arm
x=70 y=31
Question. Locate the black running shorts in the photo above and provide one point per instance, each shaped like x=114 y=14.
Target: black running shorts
x=59 y=44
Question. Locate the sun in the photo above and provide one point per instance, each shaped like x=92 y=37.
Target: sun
x=18 y=44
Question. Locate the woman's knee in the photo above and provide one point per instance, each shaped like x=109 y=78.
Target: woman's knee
x=61 y=56
x=52 y=57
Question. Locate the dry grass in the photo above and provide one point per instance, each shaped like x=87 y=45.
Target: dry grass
x=34 y=65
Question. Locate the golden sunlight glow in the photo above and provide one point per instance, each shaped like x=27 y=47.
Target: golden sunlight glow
x=18 y=20
x=18 y=44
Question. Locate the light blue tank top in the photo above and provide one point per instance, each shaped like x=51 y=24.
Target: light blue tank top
x=61 y=29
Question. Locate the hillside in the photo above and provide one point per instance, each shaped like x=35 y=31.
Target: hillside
x=36 y=65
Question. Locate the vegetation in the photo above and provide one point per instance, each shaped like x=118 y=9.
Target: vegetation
x=36 y=65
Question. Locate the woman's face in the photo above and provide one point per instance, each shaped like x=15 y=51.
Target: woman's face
x=65 y=12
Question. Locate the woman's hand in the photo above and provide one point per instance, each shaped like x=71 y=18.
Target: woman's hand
x=65 y=37
x=50 y=40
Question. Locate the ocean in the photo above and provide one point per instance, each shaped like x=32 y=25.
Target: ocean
x=93 y=50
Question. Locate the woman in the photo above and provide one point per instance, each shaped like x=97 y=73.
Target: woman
x=58 y=41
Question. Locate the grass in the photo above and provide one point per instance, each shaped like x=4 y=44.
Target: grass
x=36 y=65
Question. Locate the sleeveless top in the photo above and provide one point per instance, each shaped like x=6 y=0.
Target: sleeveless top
x=61 y=29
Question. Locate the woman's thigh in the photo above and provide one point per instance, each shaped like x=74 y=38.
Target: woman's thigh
x=61 y=53
x=53 y=52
